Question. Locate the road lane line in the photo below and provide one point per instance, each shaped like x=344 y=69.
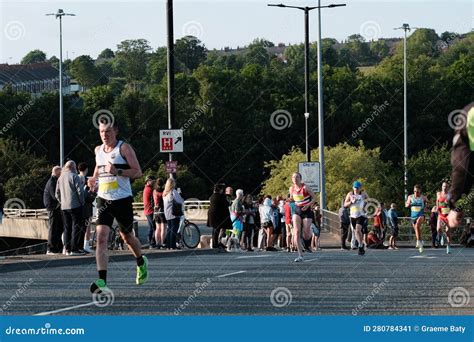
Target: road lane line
x=254 y=256
x=423 y=257
x=229 y=274
x=64 y=309
x=308 y=260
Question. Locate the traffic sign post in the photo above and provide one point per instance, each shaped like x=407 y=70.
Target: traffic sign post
x=310 y=174
x=171 y=166
x=171 y=140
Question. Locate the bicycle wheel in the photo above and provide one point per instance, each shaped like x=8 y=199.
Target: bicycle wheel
x=191 y=235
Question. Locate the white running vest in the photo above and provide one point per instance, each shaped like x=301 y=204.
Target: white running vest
x=357 y=208
x=112 y=187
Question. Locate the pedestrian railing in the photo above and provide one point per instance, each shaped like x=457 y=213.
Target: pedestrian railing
x=192 y=207
x=189 y=205
x=25 y=213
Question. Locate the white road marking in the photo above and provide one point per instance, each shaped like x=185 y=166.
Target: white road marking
x=308 y=260
x=229 y=274
x=423 y=257
x=65 y=309
x=254 y=256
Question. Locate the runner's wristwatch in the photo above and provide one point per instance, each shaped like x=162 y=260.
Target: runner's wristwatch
x=119 y=172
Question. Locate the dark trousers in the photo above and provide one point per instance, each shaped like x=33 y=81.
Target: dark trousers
x=172 y=232
x=56 y=228
x=217 y=234
x=247 y=235
x=73 y=226
x=151 y=230
x=344 y=234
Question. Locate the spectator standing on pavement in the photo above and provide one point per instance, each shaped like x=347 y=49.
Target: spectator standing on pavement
x=218 y=216
x=173 y=204
x=249 y=223
x=87 y=209
x=345 y=222
x=2 y=201
x=148 y=209
x=378 y=223
x=237 y=214
x=434 y=226
x=55 y=221
x=229 y=194
x=159 y=213
x=392 y=216
x=70 y=194
x=266 y=218
x=289 y=212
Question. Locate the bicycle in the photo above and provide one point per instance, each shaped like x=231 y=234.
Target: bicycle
x=189 y=234
x=114 y=242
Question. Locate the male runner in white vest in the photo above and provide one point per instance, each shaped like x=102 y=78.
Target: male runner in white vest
x=116 y=164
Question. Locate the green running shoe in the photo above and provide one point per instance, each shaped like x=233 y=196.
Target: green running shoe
x=99 y=287
x=142 y=272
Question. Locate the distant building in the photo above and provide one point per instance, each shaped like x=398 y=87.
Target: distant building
x=35 y=78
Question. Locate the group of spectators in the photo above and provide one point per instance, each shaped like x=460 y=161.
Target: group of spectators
x=264 y=223
x=164 y=210
x=68 y=200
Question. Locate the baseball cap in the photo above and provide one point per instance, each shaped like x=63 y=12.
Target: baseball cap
x=357 y=184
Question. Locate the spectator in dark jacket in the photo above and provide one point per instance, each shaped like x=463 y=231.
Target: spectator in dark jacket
x=345 y=222
x=218 y=216
x=2 y=201
x=55 y=243
x=433 y=226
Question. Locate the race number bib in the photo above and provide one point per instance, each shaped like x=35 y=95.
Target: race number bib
x=416 y=209
x=445 y=211
x=108 y=184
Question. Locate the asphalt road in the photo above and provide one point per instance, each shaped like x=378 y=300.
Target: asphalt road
x=261 y=283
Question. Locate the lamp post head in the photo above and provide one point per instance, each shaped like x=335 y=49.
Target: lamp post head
x=406 y=27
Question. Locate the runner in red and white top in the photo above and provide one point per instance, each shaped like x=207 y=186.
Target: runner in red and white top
x=304 y=199
x=443 y=212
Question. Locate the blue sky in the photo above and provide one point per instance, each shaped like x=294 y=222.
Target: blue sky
x=101 y=24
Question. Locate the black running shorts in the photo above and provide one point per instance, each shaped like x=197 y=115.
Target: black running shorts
x=120 y=210
x=307 y=214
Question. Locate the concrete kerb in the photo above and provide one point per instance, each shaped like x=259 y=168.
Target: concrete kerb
x=14 y=264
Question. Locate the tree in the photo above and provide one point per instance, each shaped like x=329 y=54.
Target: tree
x=344 y=164
x=34 y=56
x=189 y=53
x=131 y=59
x=84 y=70
x=430 y=168
x=54 y=62
x=106 y=54
x=25 y=174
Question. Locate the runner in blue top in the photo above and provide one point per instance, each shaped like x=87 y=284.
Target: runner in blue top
x=417 y=204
